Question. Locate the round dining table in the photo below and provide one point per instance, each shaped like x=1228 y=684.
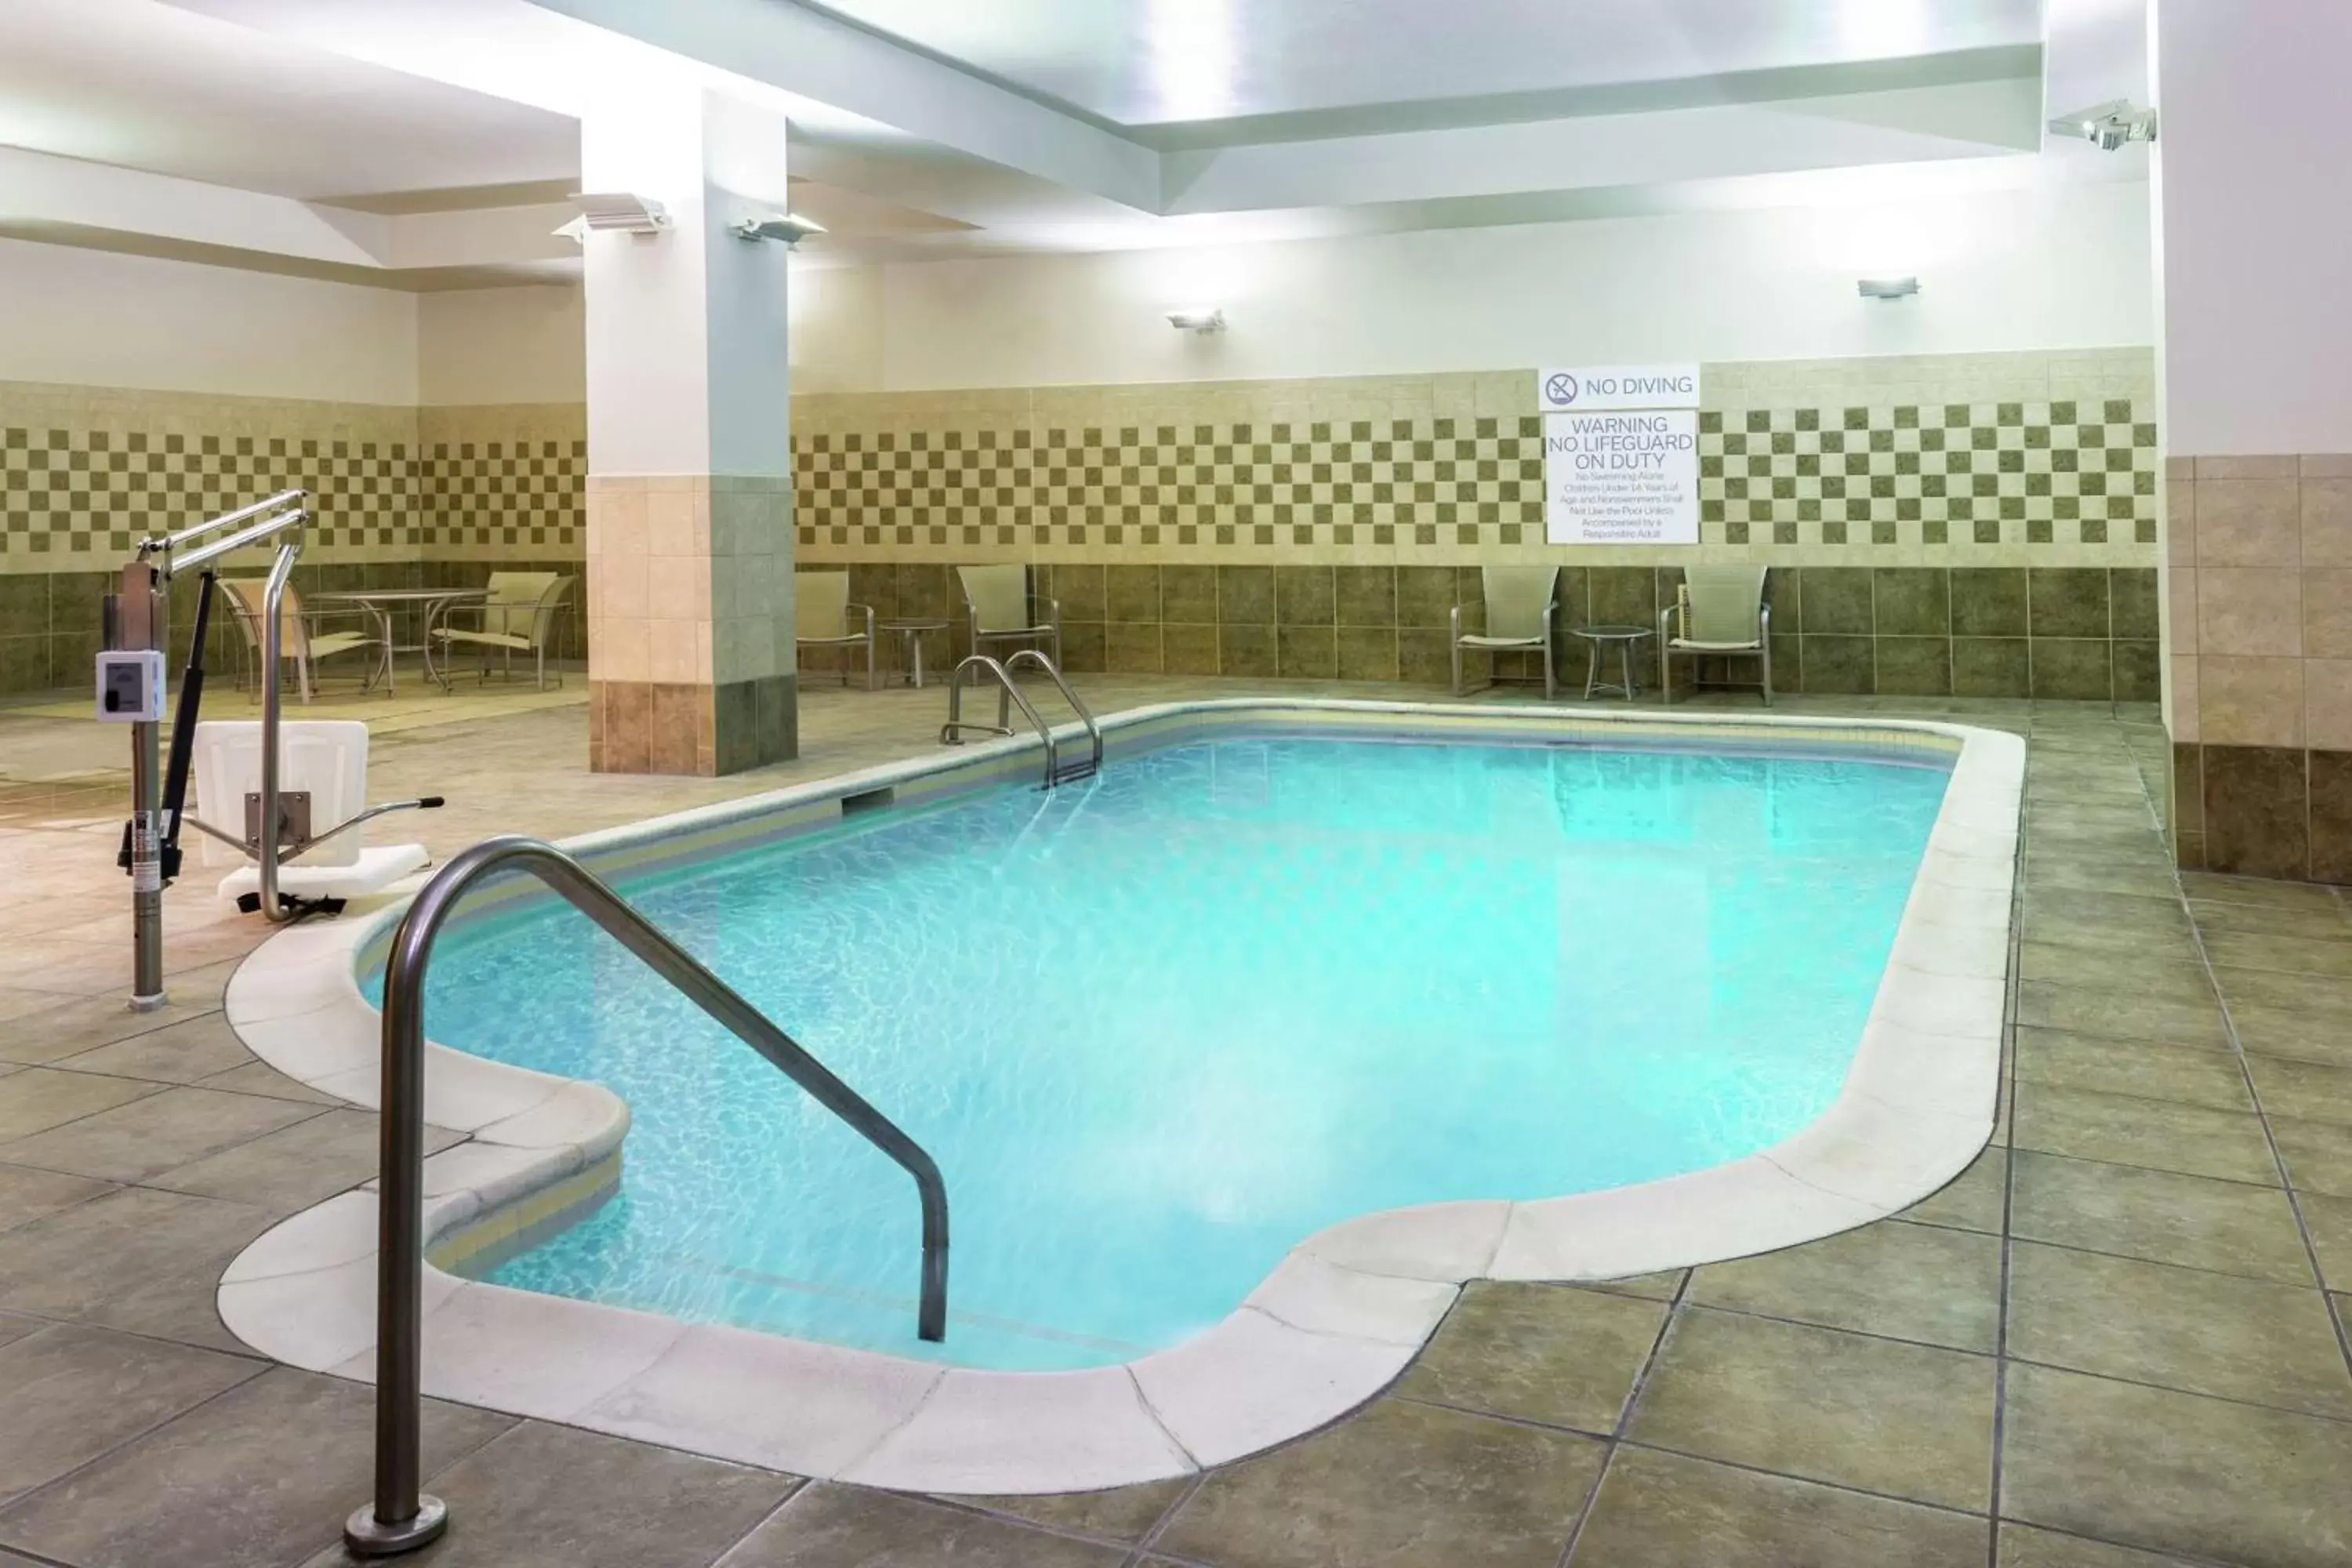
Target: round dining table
x=436 y=605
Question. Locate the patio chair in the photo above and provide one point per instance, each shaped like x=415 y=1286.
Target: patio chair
x=1717 y=610
x=996 y=599
x=821 y=617
x=1520 y=601
x=517 y=616
x=298 y=637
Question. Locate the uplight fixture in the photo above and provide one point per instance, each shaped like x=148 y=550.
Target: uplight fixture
x=789 y=227
x=615 y=210
x=1888 y=288
x=1198 y=319
x=2107 y=126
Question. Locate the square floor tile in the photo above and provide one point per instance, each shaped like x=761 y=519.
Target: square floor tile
x=39 y=1099
x=2318 y=1154
x=1400 y=1485
x=2299 y=1032
x=278 y=1463
x=2329 y=955
x=1540 y=1353
x=181 y=1053
x=552 y=1497
x=2023 y=1546
x=848 y=1527
x=2179 y=1472
x=2232 y=1227
x=1905 y=1420
x=28 y=1194
x=296 y=1165
x=133 y=1141
x=1973 y=1200
x=68 y=1394
x=143 y=1261
x=2045 y=1006
x=60 y=1031
x=1663 y=1511
x=1904 y=1281
x=2137 y=1068
x=2177 y=974
x=2127 y=1130
x=2308 y=1091
x=2180 y=1328
x=1120 y=1513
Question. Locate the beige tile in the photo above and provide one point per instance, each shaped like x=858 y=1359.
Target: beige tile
x=2248 y=521
x=2327 y=612
x=2327 y=521
x=2327 y=704
x=2250 y=702
x=2181 y=604
x=2251 y=610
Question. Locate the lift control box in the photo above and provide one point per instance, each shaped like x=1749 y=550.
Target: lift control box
x=131 y=686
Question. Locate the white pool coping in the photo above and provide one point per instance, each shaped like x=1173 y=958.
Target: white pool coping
x=1332 y=1326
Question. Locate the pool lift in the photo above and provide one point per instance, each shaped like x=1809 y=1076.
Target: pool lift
x=130 y=689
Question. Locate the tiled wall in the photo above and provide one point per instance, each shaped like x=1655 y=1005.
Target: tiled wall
x=1987 y=472
x=2259 y=574
x=2073 y=632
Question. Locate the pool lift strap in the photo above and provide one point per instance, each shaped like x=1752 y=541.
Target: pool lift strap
x=130 y=690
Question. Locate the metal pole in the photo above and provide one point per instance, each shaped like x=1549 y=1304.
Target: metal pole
x=273 y=636
x=403 y=1518
x=137 y=625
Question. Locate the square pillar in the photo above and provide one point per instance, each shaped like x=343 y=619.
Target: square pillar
x=690 y=504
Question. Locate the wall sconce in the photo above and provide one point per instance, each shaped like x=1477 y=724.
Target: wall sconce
x=1198 y=319
x=615 y=210
x=1888 y=288
x=789 y=227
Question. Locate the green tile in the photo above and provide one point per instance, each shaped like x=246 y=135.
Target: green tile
x=2329 y=954
x=1422 y=656
x=1976 y=1199
x=2121 y=1129
x=1911 y=601
x=1662 y=1287
x=1132 y=649
x=2173 y=974
x=2139 y=1067
x=1624 y=596
x=2131 y=595
x=1988 y=601
x=1425 y=595
x=2285 y=990
x=2068 y=601
x=2138 y=667
x=24 y=603
x=2164 y=1217
x=2178 y=1328
x=1782 y=597
x=2156 y=912
x=1989 y=667
x=1188 y=595
x=1367 y=596
x=2330 y=1221
x=1914 y=667
x=1538 y=1353
x=1245 y=597
x=1304 y=596
x=1368 y=653
x=2120 y=1016
x=1904 y=1281
x=2154 y=1468
x=1400 y=1485
x=1308 y=653
x=1837 y=665
x=1188 y=649
x=1121 y=1513
x=1903 y=1420
x=2232 y=921
x=1245 y=650
x=2023 y=1546
x=25 y=663
x=1080 y=589
x=2308 y=1091
x=1664 y=1510
x=2318 y=1154
x=1133 y=594
x=831 y=1526
x=2071 y=671
x=1837 y=599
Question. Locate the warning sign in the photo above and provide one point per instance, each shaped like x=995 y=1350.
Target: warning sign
x=1621 y=478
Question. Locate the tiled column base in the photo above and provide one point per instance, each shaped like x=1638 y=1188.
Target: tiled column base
x=2263 y=811
x=654 y=727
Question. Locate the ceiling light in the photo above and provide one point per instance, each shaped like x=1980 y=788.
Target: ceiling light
x=789 y=227
x=2107 y=126
x=1198 y=319
x=615 y=209
x=1888 y=288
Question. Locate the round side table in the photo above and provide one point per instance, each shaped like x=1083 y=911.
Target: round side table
x=1597 y=640
x=910 y=637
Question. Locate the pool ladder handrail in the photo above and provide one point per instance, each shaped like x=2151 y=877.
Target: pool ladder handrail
x=1008 y=693
x=401 y=1519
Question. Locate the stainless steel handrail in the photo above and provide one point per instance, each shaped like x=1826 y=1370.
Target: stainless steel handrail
x=1007 y=690
x=402 y=1517
x=1086 y=715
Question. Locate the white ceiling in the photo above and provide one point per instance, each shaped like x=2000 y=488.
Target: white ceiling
x=1149 y=62
x=150 y=86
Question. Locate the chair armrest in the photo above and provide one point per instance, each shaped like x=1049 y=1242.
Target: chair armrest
x=868 y=610
x=1763 y=623
x=1665 y=623
x=1454 y=622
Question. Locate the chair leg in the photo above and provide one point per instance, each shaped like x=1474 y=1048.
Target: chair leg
x=1765 y=652
x=1666 y=675
x=1551 y=687
x=873 y=676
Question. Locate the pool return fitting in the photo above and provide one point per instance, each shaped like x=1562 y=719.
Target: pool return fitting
x=130 y=692
x=403 y=1518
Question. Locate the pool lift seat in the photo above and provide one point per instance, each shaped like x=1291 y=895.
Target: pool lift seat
x=322 y=773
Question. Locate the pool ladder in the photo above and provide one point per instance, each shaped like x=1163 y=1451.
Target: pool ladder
x=1008 y=693
x=402 y=1517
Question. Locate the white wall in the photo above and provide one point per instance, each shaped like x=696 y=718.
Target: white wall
x=98 y=318
x=501 y=346
x=2257 y=238
x=837 y=329
x=2030 y=270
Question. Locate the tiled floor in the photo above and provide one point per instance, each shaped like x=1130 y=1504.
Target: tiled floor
x=2106 y=1345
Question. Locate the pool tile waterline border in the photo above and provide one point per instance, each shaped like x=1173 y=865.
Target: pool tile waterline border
x=1339 y=1320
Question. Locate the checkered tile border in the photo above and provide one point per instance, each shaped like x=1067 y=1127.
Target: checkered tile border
x=2010 y=473
x=79 y=492
x=509 y=493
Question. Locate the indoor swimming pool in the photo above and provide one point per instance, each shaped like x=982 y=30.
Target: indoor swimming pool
x=1159 y=1028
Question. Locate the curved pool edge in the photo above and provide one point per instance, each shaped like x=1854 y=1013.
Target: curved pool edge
x=1336 y=1321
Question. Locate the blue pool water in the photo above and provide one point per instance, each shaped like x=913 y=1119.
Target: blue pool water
x=1159 y=1030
